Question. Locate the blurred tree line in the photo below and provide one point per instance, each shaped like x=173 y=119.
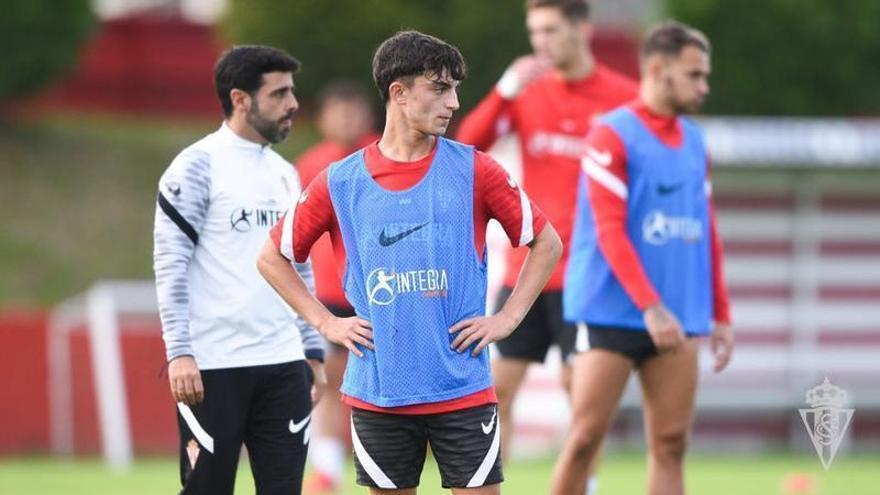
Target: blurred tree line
x=41 y=40
x=790 y=57
x=336 y=39
x=782 y=57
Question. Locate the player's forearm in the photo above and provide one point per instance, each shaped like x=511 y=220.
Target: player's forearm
x=288 y=283
x=313 y=343
x=545 y=251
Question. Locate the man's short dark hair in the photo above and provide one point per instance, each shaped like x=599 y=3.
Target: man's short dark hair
x=573 y=10
x=671 y=37
x=343 y=90
x=409 y=54
x=242 y=67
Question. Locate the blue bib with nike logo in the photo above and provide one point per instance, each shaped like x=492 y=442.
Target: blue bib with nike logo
x=413 y=272
x=667 y=223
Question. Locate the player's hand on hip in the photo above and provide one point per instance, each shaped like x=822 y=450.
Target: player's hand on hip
x=319 y=380
x=186 y=380
x=348 y=332
x=483 y=330
x=520 y=73
x=722 y=342
x=664 y=328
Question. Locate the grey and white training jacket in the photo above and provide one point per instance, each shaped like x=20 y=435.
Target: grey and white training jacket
x=217 y=202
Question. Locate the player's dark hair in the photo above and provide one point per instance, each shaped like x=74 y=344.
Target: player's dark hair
x=409 y=54
x=343 y=90
x=573 y=10
x=242 y=67
x=670 y=38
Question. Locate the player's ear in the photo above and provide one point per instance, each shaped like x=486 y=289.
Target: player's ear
x=241 y=100
x=397 y=92
x=654 y=67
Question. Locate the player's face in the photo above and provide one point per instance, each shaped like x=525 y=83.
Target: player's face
x=272 y=107
x=430 y=103
x=555 y=38
x=344 y=121
x=686 y=79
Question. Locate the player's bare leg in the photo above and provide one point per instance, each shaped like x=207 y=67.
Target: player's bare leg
x=598 y=381
x=508 y=374
x=329 y=445
x=565 y=374
x=482 y=490
x=669 y=383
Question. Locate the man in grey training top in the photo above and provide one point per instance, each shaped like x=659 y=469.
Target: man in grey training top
x=243 y=367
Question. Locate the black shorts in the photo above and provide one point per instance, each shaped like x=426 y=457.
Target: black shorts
x=342 y=312
x=268 y=408
x=633 y=344
x=542 y=327
x=390 y=448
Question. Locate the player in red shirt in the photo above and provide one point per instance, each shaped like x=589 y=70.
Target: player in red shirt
x=549 y=99
x=417 y=76
x=345 y=120
x=675 y=62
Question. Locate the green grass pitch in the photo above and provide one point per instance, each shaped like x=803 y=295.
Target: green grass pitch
x=620 y=474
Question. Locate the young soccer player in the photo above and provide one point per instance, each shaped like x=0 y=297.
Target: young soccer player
x=645 y=275
x=411 y=211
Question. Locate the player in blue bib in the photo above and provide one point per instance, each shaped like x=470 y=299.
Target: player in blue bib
x=418 y=373
x=644 y=270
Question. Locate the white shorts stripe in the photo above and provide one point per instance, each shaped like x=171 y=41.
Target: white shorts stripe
x=707 y=187
x=603 y=176
x=376 y=474
x=486 y=466
x=206 y=441
x=526 y=232
x=287 y=235
x=582 y=340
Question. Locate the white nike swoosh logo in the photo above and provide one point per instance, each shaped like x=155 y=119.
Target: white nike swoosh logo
x=297 y=427
x=603 y=159
x=487 y=428
x=511 y=182
x=302 y=197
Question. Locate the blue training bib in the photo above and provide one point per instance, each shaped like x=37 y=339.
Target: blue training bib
x=412 y=270
x=668 y=224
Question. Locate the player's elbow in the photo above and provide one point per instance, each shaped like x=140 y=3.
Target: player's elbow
x=549 y=243
x=267 y=261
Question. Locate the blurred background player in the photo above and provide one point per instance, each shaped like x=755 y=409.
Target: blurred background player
x=345 y=121
x=550 y=99
x=645 y=274
x=241 y=366
x=411 y=211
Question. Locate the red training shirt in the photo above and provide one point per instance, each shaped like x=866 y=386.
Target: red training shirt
x=552 y=118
